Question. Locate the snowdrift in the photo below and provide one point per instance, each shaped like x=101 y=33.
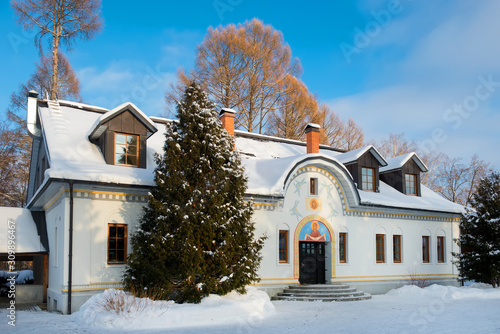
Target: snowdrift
x=142 y=313
x=476 y=291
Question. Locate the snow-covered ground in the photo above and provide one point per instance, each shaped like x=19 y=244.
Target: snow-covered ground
x=435 y=309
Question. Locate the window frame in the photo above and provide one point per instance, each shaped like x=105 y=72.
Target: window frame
x=382 y=248
x=342 y=247
x=137 y=149
x=116 y=249
x=426 y=256
x=440 y=249
x=412 y=179
x=283 y=250
x=398 y=250
x=364 y=184
x=313 y=186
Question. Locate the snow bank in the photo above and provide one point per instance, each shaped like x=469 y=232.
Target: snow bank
x=22 y=276
x=142 y=313
x=476 y=291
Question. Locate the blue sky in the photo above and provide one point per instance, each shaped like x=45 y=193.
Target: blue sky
x=430 y=69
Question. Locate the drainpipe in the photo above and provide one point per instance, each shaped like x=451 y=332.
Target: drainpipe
x=70 y=264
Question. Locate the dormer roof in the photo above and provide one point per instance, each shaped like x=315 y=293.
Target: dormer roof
x=399 y=161
x=100 y=124
x=354 y=155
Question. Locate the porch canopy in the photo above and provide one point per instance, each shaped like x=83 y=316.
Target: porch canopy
x=20 y=223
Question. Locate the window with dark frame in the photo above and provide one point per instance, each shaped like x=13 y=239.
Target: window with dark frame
x=411 y=184
x=396 y=248
x=313 y=186
x=117 y=243
x=380 y=248
x=343 y=247
x=368 y=179
x=440 y=249
x=425 y=249
x=283 y=246
x=126 y=149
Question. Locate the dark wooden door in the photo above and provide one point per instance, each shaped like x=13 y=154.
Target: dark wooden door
x=312 y=262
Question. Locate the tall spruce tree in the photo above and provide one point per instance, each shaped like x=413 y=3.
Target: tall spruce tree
x=480 y=235
x=196 y=236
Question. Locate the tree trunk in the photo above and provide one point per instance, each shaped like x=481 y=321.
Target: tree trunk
x=55 y=50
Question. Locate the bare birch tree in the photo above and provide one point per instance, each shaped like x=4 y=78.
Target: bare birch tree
x=14 y=164
x=458 y=181
x=67 y=85
x=62 y=22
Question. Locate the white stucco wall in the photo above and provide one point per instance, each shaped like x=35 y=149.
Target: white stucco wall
x=361 y=268
x=93 y=211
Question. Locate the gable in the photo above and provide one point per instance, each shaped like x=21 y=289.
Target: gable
x=128 y=123
x=136 y=116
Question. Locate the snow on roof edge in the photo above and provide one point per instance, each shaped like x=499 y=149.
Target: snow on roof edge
x=80 y=105
x=399 y=161
x=354 y=155
x=281 y=140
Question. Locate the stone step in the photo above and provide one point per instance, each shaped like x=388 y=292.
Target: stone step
x=333 y=294
x=320 y=287
x=321 y=292
x=363 y=296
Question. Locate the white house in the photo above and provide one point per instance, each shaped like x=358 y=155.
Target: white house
x=330 y=216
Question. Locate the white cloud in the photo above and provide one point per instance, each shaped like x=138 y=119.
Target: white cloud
x=465 y=41
x=111 y=78
x=430 y=58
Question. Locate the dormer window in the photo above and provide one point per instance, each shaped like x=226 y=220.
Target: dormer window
x=122 y=134
x=403 y=173
x=126 y=149
x=411 y=184
x=368 y=178
x=364 y=164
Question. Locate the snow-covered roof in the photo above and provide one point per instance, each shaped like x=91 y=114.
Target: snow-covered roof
x=267 y=160
x=73 y=156
x=18 y=223
x=429 y=200
x=399 y=161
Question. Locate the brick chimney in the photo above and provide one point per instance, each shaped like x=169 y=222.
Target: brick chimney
x=312 y=137
x=227 y=119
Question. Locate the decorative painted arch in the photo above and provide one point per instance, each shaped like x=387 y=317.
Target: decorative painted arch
x=324 y=228
x=340 y=183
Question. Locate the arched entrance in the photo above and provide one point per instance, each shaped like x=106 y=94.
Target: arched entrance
x=314 y=250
